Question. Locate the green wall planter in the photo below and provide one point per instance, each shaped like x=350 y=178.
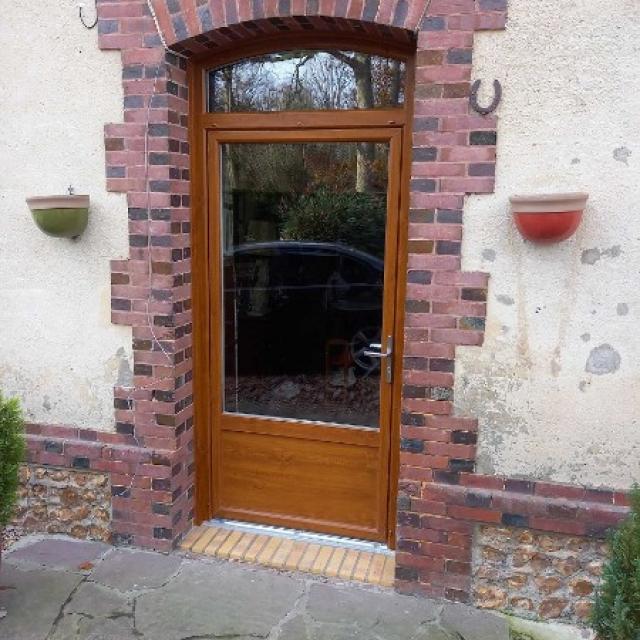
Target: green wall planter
x=60 y=216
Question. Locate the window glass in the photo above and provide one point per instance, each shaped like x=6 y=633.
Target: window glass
x=307 y=80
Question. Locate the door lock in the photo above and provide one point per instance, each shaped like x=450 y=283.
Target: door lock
x=375 y=351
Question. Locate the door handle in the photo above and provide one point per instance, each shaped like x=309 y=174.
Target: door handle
x=387 y=355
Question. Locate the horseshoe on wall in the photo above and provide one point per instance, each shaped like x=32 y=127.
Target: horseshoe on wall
x=84 y=23
x=473 y=97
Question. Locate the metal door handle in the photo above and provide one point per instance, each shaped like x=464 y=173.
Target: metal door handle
x=388 y=354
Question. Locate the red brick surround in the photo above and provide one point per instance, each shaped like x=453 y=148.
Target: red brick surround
x=151 y=458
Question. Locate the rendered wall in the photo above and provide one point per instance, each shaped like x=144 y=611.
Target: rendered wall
x=556 y=384
x=58 y=349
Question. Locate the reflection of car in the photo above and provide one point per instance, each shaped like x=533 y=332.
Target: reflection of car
x=285 y=302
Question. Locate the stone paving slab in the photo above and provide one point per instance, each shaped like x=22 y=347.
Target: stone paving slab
x=127 y=570
x=32 y=599
x=58 y=553
x=139 y=595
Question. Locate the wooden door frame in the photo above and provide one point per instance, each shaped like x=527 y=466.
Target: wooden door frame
x=200 y=123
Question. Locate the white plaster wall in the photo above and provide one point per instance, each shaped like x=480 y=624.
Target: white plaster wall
x=58 y=349
x=569 y=120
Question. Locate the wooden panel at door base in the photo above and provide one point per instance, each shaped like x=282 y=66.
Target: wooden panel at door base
x=299 y=483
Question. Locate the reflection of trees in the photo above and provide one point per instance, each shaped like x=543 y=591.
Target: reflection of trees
x=352 y=219
x=304 y=80
x=305 y=192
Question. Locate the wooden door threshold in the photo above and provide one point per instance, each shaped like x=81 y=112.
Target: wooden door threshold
x=291 y=550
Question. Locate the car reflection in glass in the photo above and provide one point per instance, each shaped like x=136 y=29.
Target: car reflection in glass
x=290 y=306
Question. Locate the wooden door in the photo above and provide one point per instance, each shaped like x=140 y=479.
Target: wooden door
x=303 y=237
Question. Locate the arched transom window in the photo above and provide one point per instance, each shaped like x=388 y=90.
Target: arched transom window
x=304 y=80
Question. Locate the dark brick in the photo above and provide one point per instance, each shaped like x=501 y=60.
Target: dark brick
x=447 y=248
x=514 y=520
x=441 y=364
x=180 y=28
x=370 y=10
x=142 y=370
x=161 y=484
x=411 y=445
x=471 y=323
x=79 y=462
x=120 y=491
x=407 y=573
x=519 y=486
x=411 y=546
x=422 y=216
x=419 y=277
x=122 y=539
x=483 y=138
x=136 y=213
x=138 y=240
x=473 y=499
x=450 y=216
x=446 y=477
x=132 y=72
x=51 y=446
x=120 y=304
x=493 y=5
x=124 y=428
x=464 y=437
x=456 y=464
x=482 y=169
x=162 y=396
x=474 y=294
x=424 y=154
x=158 y=129
x=409 y=519
x=423 y=185
x=417 y=306
x=412 y=419
x=433 y=23
x=416 y=364
x=133 y=102
x=459 y=56
x=562 y=510
x=107 y=26
x=400 y=14
x=425 y=124
x=116 y=172
x=160 y=508
x=158 y=158
x=411 y=391
x=162 y=186
x=160 y=214
x=162 y=533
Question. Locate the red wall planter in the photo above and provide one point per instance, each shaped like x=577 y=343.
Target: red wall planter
x=548 y=218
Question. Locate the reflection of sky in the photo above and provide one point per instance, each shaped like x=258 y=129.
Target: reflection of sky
x=284 y=69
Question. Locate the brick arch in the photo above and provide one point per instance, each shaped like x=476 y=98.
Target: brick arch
x=190 y=26
x=148 y=159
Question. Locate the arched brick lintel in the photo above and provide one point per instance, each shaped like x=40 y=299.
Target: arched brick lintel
x=453 y=155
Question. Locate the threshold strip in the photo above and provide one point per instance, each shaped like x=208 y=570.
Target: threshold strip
x=293 y=550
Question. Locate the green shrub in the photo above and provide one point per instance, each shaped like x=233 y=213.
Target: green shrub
x=353 y=219
x=616 y=612
x=11 y=455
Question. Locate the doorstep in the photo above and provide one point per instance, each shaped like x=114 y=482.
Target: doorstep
x=290 y=550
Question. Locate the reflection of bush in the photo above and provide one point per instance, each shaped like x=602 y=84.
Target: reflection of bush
x=353 y=219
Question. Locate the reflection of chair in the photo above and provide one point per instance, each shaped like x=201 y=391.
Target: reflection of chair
x=337 y=354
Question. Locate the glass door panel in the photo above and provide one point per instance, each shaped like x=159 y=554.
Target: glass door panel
x=303 y=250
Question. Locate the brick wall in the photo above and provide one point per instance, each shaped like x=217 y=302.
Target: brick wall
x=150 y=458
